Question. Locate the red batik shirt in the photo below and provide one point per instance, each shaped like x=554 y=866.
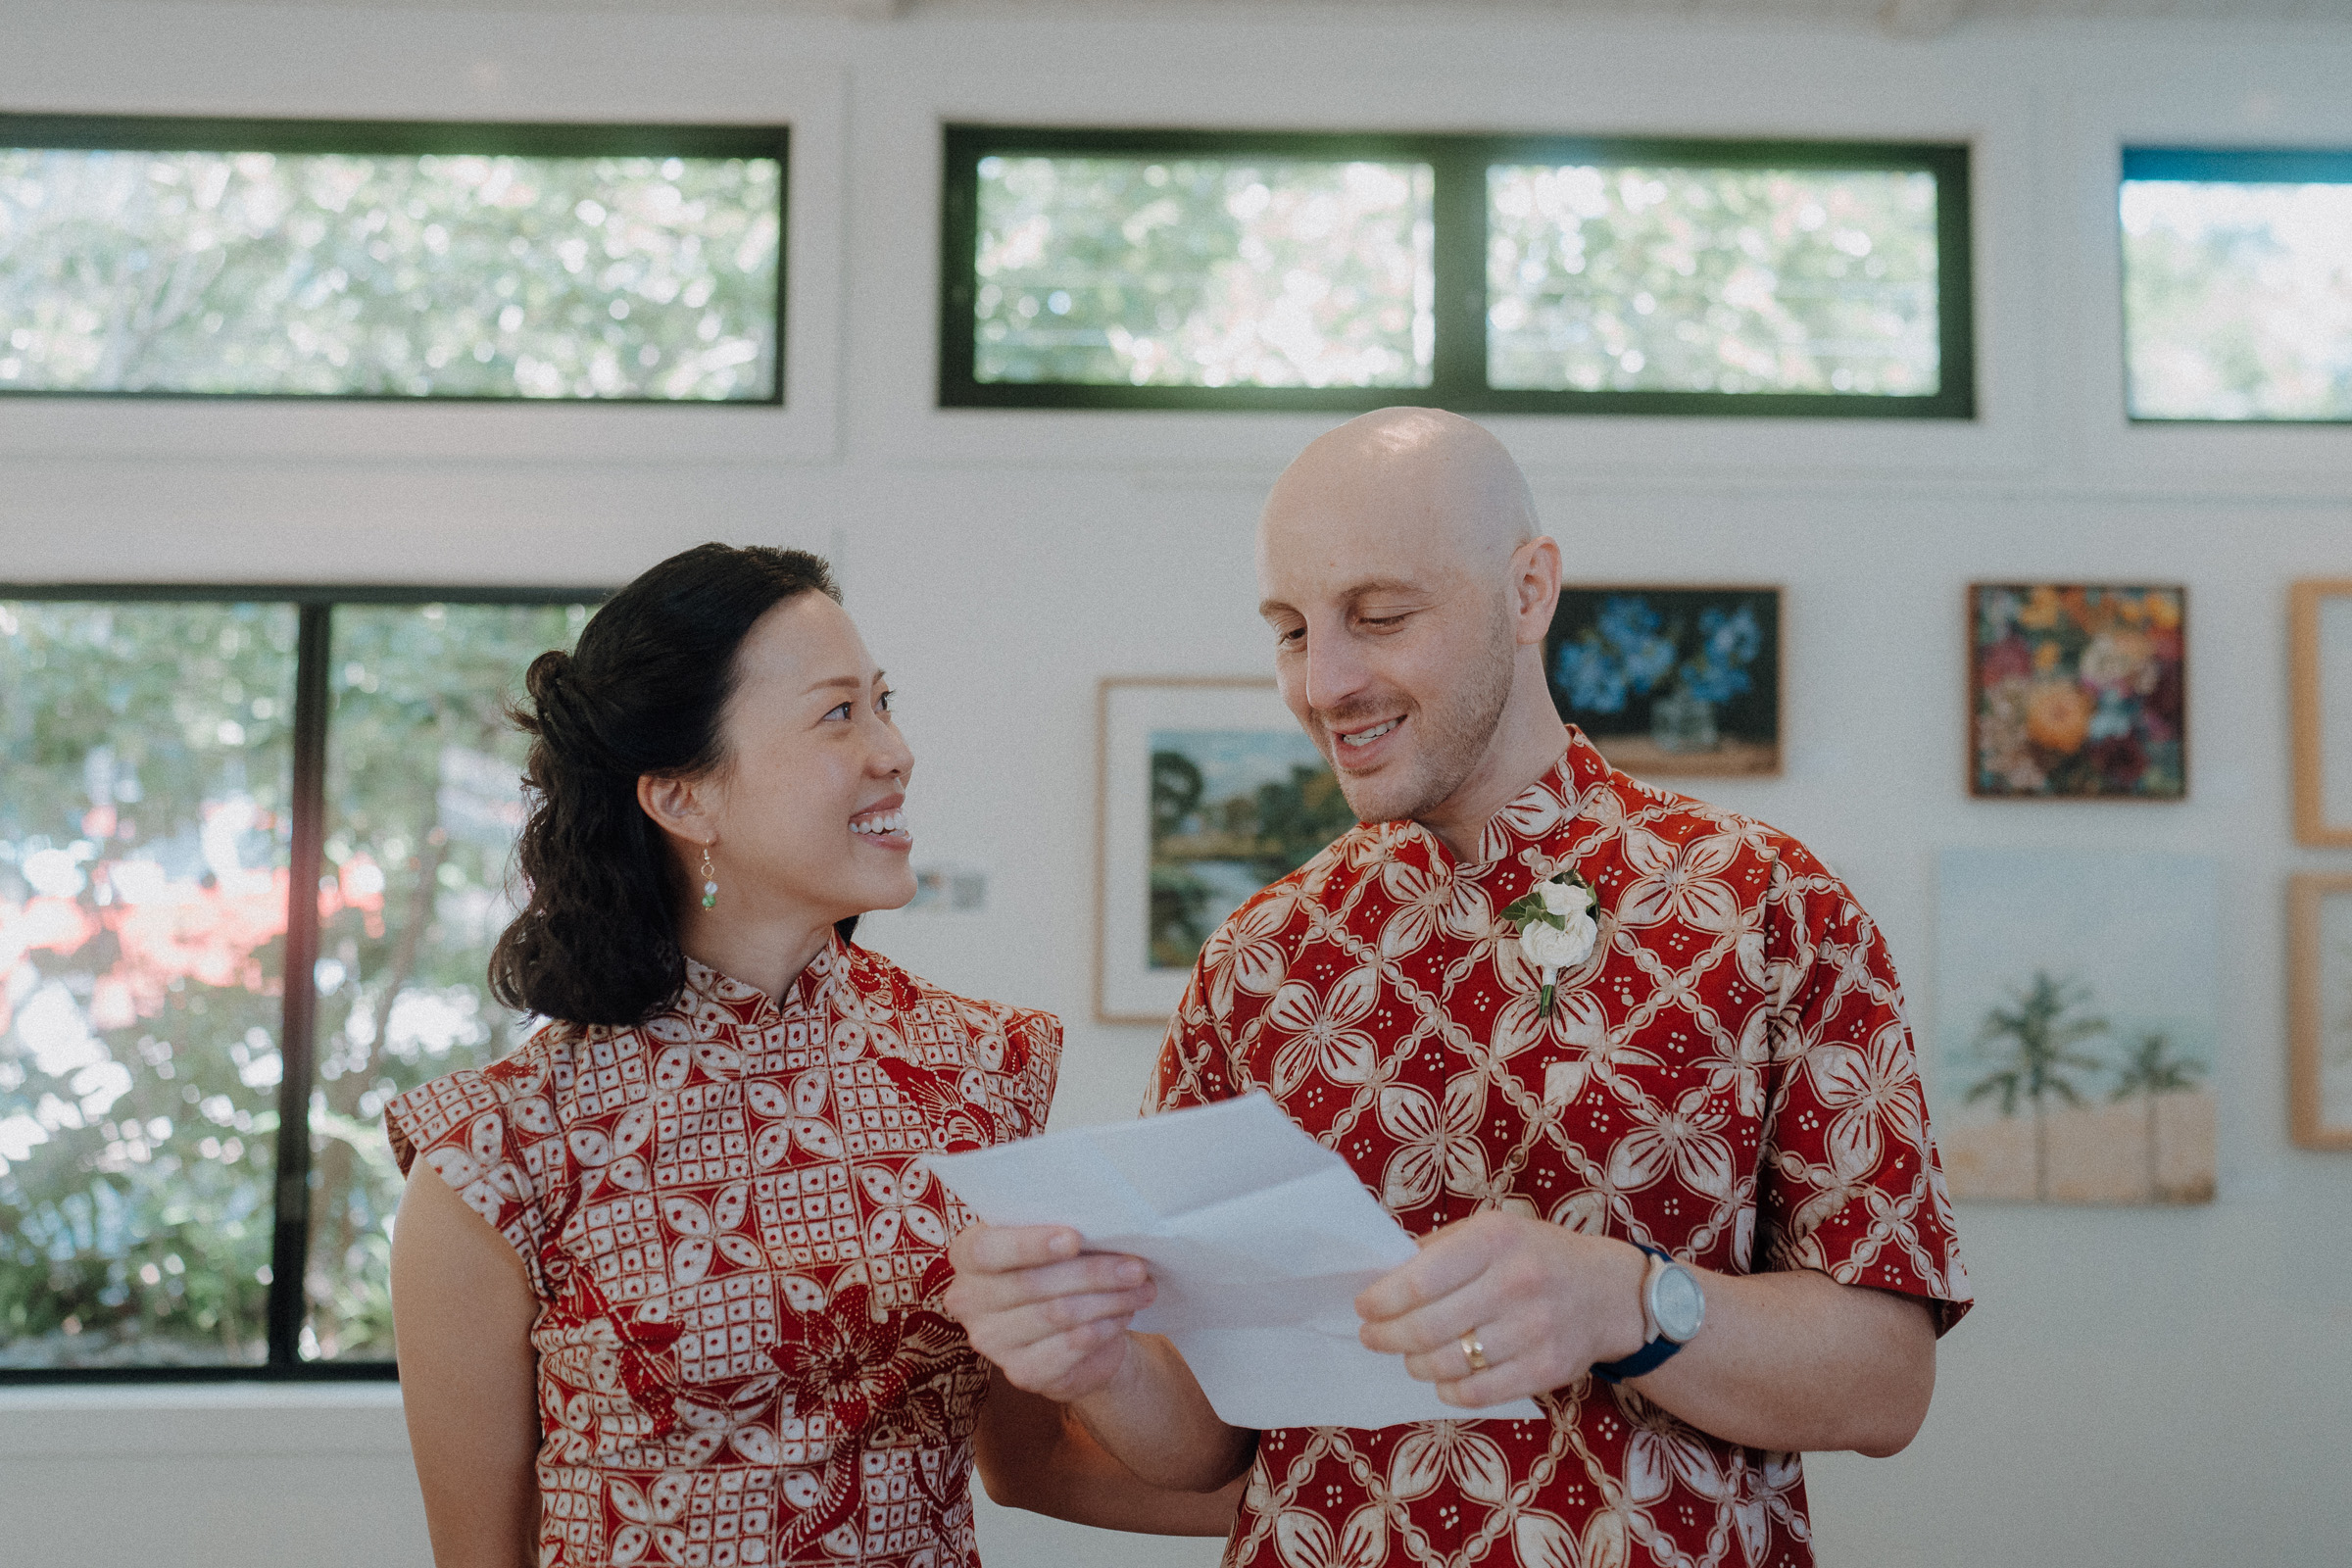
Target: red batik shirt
x=739 y=1256
x=1728 y=1077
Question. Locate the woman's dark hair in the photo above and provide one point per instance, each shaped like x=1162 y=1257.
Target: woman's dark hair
x=643 y=693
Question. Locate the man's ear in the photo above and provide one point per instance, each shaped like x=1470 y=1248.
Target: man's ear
x=1535 y=586
x=677 y=806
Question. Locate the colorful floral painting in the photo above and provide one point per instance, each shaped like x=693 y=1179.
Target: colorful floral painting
x=2078 y=690
x=1671 y=681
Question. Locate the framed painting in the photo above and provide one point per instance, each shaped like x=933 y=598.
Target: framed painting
x=2319 y=966
x=2078 y=692
x=1208 y=791
x=1671 y=680
x=2323 y=677
x=2077 y=1026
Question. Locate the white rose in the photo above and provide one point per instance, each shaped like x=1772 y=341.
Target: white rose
x=1564 y=897
x=1548 y=948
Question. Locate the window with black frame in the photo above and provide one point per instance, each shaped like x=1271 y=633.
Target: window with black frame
x=331 y=258
x=1167 y=269
x=210 y=791
x=2238 y=284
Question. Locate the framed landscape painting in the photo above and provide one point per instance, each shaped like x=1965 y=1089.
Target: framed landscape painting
x=2078 y=692
x=1671 y=681
x=1208 y=791
x=2323 y=678
x=2076 y=1025
x=2320 y=909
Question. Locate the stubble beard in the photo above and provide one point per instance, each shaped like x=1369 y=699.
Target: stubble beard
x=1454 y=737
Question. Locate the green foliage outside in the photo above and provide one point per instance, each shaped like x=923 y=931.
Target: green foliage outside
x=388 y=276
x=1711 y=280
x=144 y=839
x=2237 y=300
x=1203 y=272
x=424 y=803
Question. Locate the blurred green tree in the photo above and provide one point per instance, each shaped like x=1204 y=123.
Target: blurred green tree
x=388 y=276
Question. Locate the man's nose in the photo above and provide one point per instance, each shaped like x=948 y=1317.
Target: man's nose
x=1335 y=670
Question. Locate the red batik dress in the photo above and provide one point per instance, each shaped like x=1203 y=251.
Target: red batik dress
x=1728 y=1077
x=739 y=1257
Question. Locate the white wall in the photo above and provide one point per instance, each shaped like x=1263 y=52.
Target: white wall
x=2137 y=1388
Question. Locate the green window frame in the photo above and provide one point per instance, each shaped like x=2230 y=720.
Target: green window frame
x=165 y=135
x=1458 y=378
x=311 y=813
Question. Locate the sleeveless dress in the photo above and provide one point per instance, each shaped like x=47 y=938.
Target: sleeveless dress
x=739 y=1257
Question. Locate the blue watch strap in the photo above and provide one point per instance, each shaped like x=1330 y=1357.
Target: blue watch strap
x=1649 y=1357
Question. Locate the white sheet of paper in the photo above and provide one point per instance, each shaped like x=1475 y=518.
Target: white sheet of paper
x=1259 y=1239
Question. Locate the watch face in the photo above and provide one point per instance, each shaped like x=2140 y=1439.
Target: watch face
x=1677 y=1303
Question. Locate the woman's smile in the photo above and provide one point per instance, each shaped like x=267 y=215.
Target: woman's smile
x=884 y=824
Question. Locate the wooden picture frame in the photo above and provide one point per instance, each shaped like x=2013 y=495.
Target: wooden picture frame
x=2320 y=616
x=2319 y=1068
x=1634 y=665
x=2076 y=690
x=1182 y=765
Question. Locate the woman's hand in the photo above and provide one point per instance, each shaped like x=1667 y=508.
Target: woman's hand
x=1052 y=1318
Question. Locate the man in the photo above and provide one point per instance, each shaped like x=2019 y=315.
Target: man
x=1726 y=1078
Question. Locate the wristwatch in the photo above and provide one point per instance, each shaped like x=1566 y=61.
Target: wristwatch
x=1673 y=1309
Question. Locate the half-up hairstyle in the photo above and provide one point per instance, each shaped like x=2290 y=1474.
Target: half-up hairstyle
x=643 y=693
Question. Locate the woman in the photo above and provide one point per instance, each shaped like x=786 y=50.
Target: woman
x=667 y=1281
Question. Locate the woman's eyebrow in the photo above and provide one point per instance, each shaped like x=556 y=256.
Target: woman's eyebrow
x=851 y=681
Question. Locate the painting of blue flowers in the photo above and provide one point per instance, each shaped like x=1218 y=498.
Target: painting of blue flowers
x=1671 y=681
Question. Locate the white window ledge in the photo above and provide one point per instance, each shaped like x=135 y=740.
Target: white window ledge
x=57 y=1421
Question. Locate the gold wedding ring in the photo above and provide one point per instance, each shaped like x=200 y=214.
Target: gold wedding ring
x=1474 y=1352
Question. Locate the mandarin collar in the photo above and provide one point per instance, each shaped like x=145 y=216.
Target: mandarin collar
x=1553 y=795
x=810 y=991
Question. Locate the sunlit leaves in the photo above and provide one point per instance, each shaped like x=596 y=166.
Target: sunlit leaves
x=1203 y=272
x=2237 y=299
x=1691 y=279
x=388 y=276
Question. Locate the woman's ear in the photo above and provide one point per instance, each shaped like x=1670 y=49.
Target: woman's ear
x=678 y=806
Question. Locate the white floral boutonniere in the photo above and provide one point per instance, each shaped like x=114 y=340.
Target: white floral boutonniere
x=1557 y=928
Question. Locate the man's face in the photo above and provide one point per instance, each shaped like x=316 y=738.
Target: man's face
x=1394 y=643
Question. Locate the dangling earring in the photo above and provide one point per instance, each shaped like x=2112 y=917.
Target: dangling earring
x=709 y=881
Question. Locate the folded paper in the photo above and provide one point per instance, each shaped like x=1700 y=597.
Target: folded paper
x=1258 y=1240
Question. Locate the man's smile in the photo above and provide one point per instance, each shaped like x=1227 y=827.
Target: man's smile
x=1357 y=746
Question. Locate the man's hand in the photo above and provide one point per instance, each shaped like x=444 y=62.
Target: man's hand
x=1543 y=1303
x=1053 y=1320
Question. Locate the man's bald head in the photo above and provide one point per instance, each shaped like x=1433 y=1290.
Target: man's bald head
x=1426 y=470
x=1409 y=592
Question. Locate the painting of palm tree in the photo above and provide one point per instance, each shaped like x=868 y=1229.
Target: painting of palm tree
x=2151 y=1070
x=2034 y=1041
x=2076 y=1025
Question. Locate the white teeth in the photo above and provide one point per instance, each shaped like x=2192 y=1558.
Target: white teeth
x=887 y=822
x=1367 y=737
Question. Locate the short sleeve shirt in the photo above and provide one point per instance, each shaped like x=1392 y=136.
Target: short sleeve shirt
x=1726 y=1077
x=739 y=1257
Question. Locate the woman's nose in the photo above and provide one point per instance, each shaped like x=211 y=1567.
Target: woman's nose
x=893 y=756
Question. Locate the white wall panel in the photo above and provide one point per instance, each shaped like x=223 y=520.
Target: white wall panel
x=2137 y=1388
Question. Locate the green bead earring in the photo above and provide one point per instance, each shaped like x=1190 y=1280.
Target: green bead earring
x=709 y=881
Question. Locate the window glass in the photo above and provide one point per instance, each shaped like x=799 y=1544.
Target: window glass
x=1204 y=271
x=143 y=889
x=389 y=275
x=2237 y=296
x=423 y=802
x=1691 y=279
